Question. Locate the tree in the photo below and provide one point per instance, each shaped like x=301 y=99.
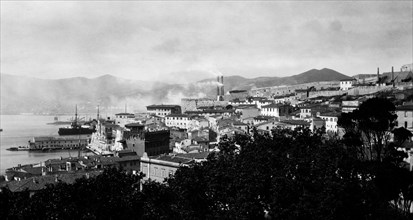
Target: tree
x=372 y=123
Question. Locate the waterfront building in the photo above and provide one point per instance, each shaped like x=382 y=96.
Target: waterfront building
x=59 y=142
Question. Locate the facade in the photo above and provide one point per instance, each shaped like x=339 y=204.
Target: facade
x=247 y=111
x=59 y=142
x=276 y=110
x=330 y=119
x=178 y=120
x=405 y=116
x=347 y=84
x=163 y=110
x=305 y=112
x=349 y=106
x=261 y=119
x=124 y=118
x=160 y=167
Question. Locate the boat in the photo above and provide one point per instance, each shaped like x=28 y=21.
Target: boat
x=76 y=129
x=19 y=148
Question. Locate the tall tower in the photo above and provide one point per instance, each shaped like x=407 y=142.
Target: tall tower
x=378 y=75
x=220 y=88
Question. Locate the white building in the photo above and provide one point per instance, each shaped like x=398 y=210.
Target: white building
x=178 y=120
x=346 y=84
x=124 y=118
x=276 y=110
x=405 y=116
x=330 y=119
x=163 y=110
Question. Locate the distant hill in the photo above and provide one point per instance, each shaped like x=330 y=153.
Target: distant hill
x=314 y=75
x=26 y=94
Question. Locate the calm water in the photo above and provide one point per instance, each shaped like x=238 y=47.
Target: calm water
x=17 y=130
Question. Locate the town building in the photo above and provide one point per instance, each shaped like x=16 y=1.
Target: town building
x=178 y=120
x=247 y=111
x=276 y=110
x=158 y=168
x=405 y=116
x=124 y=118
x=163 y=110
x=330 y=119
x=349 y=105
x=346 y=84
x=59 y=142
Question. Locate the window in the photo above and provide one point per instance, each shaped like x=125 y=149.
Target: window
x=405 y=124
x=405 y=113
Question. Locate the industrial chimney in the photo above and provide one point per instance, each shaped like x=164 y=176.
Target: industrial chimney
x=378 y=75
x=222 y=86
x=392 y=75
x=218 y=90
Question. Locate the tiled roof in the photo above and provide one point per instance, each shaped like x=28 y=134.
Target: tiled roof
x=172 y=158
x=40 y=182
x=201 y=155
x=330 y=114
x=296 y=122
x=274 y=105
x=162 y=106
x=404 y=108
x=134 y=125
x=239 y=123
x=128 y=114
x=177 y=115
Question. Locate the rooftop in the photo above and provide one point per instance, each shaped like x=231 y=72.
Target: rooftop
x=296 y=122
x=274 y=105
x=404 y=108
x=163 y=106
x=177 y=115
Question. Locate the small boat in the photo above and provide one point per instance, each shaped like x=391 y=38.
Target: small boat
x=20 y=148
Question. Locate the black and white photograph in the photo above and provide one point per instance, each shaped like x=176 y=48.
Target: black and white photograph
x=168 y=109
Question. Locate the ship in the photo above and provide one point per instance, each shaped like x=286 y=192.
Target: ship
x=76 y=129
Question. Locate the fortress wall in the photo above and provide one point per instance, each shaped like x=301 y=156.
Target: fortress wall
x=284 y=90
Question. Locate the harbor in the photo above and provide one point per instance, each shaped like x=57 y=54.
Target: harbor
x=18 y=130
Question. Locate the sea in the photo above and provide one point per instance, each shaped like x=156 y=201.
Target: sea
x=19 y=129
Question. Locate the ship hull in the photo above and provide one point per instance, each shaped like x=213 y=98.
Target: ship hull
x=75 y=131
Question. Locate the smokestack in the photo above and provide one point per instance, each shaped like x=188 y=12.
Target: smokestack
x=378 y=75
x=217 y=90
x=222 y=86
x=392 y=75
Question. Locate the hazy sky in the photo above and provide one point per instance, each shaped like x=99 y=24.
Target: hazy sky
x=166 y=40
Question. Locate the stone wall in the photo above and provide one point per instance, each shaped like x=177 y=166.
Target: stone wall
x=284 y=90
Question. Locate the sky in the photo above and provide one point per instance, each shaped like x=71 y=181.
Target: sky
x=185 y=41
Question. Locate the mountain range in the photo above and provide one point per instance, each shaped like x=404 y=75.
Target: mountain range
x=21 y=94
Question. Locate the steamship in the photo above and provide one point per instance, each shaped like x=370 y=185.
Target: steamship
x=76 y=129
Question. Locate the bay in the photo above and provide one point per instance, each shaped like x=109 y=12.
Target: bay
x=18 y=130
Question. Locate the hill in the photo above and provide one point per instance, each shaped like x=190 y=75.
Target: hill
x=27 y=94
x=314 y=75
